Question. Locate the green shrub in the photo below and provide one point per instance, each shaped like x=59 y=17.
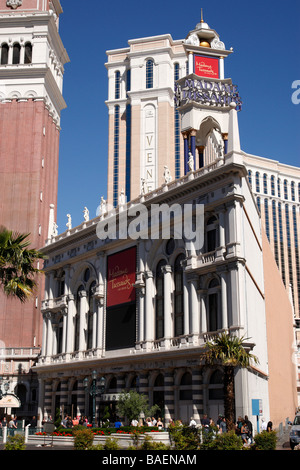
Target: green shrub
x=184 y=437
x=148 y=444
x=83 y=439
x=224 y=441
x=111 y=444
x=265 y=441
x=16 y=442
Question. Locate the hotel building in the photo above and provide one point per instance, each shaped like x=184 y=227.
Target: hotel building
x=138 y=306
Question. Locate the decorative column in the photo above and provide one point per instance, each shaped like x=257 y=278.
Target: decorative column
x=45 y=335
x=167 y=271
x=223 y=275
x=186 y=151
x=149 y=316
x=225 y=138
x=140 y=292
x=194 y=309
x=51 y=285
x=221 y=65
x=186 y=321
x=193 y=145
x=234 y=287
x=220 y=252
x=191 y=62
x=83 y=320
x=203 y=315
x=100 y=323
x=197 y=394
x=70 y=324
x=49 y=345
x=41 y=396
x=169 y=395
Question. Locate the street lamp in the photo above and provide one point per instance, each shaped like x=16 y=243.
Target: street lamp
x=94 y=391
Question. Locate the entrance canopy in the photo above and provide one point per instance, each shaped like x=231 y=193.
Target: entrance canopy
x=10 y=401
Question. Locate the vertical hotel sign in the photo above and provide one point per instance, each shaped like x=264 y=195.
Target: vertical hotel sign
x=121 y=276
x=207 y=66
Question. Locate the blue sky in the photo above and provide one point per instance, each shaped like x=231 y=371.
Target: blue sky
x=264 y=36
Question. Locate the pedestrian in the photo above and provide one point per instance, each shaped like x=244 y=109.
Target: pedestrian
x=263 y=425
x=244 y=433
x=193 y=423
x=160 y=424
x=222 y=425
x=12 y=426
x=154 y=421
x=250 y=429
x=69 y=423
x=239 y=425
x=134 y=422
x=33 y=422
x=205 y=423
x=270 y=426
x=118 y=424
x=4 y=422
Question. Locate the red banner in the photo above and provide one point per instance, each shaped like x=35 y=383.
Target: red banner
x=206 y=67
x=121 y=275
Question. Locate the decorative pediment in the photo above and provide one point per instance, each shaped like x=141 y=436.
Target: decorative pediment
x=14 y=3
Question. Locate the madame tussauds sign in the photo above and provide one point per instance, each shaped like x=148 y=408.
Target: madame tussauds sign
x=216 y=93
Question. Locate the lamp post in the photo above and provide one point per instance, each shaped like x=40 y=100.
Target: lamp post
x=94 y=391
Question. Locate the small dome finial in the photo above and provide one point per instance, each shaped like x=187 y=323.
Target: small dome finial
x=202 y=15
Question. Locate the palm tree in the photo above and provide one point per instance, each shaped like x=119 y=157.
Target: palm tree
x=17 y=264
x=228 y=351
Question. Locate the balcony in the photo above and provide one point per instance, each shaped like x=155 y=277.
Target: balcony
x=54 y=305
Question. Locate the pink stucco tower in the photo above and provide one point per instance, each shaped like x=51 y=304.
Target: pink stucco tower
x=32 y=59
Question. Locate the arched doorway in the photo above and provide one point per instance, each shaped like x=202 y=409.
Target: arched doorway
x=159 y=394
x=216 y=395
x=185 y=398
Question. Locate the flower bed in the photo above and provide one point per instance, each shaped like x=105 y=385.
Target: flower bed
x=102 y=431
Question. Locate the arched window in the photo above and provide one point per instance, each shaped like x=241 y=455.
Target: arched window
x=293 y=190
x=279 y=187
x=61 y=284
x=16 y=53
x=117 y=84
x=214 y=322
x=28 y=53
x=159 y=301
x=257 y=182
x=90 y=316
x=178 y=296
x=4 y=54
x=265 y=183
x=149 y=73
x=60 y=335
x=185 y=390
x=212 y=226
x=258 y=203
x=273 y=185
x=250 y=177
x=267 y=219
x=285 y=189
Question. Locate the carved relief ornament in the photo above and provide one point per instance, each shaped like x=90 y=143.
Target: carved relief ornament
x=14 y=3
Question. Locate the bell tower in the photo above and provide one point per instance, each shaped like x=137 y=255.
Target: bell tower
x=206 y=101
x=32 y=60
